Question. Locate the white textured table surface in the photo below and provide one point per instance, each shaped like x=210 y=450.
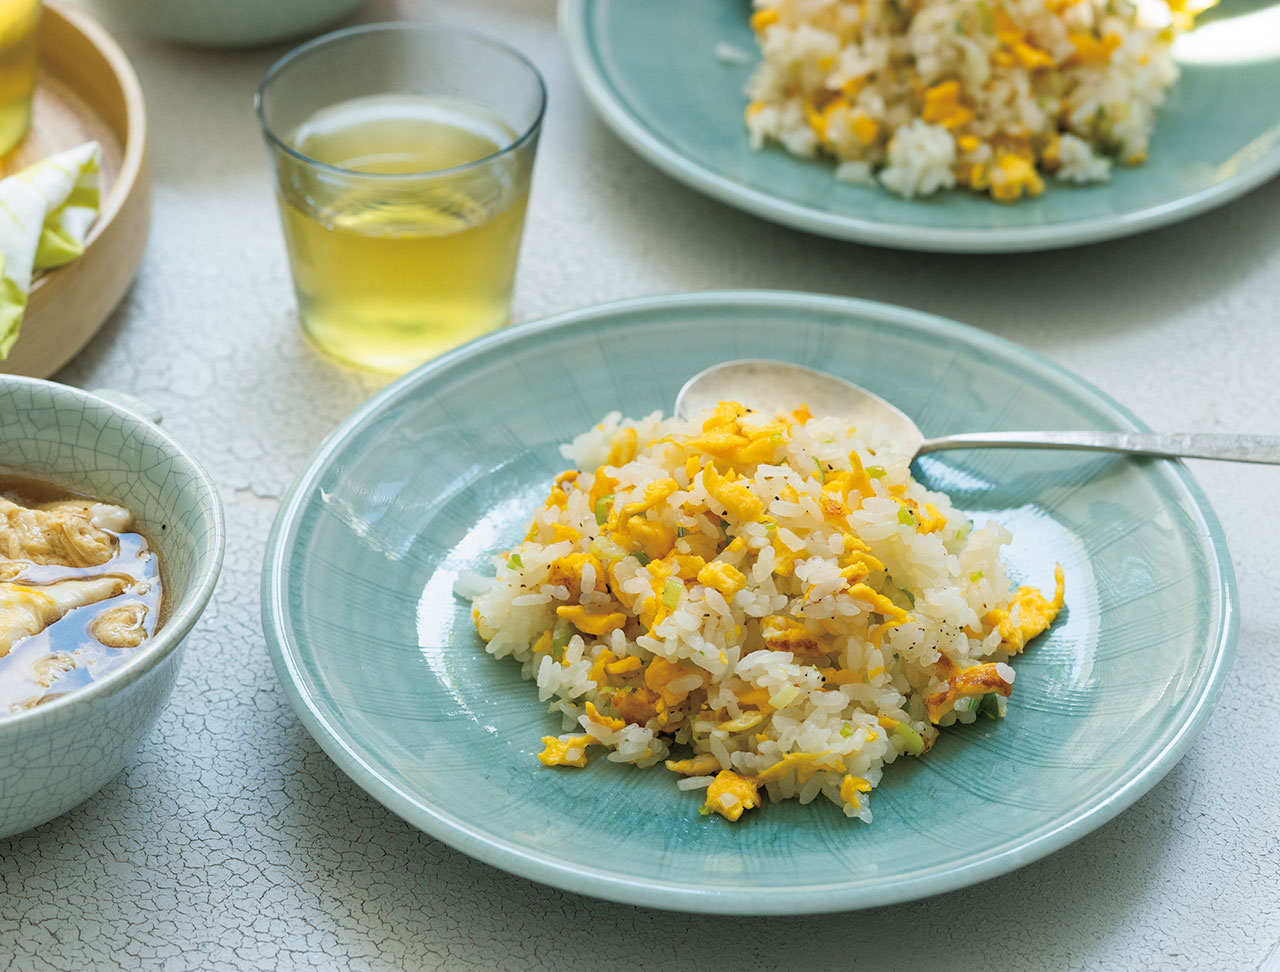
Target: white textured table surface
x=231 y=841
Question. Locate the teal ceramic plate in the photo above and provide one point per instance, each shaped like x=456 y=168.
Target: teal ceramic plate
x=443 y=468
x=651 y=70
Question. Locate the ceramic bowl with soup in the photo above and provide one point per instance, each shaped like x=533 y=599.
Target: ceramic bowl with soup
x=111 y=539
x=222 y=23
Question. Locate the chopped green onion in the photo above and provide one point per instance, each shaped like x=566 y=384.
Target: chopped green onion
x=725 y=537
x=640 y=556
x=606 y=549
x=776 y=437
x=703 y=811
x=560 y=636
x=846 y=730
x=514 y=561
x=679 y=531
x=770 y=526
x=988 y=21
x=913 y=740
x=975 y=577
x=958 y=26
x=671 y=592
x=784 y=696
x=989 y=706
x=906 y=517
x=602 y=509
x=875 y=472
x=911 y=598
x=822 y=472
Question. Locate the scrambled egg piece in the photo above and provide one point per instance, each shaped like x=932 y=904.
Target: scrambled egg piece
x=1013 y=175
x=567 y=572
x=654 y=493
x=725 y=578
x=803 y=764
x=661 y=673
x=787 y=634
x=565 y=752
x=1035 y=614
x=733 y=496
x=599 y=623
x=942 y=106
x=850 y=787
x=602 y=720
x=970 y=683
x=699 y=765
x=637 y=706
x=730 y=794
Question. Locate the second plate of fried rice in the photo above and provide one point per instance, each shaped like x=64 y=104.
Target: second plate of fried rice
x=444 y=470
x=937 y=124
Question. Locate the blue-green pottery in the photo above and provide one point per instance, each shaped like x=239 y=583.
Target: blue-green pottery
x=58 y=754
x=651 y=70
x=223 y=23
x=442 y=469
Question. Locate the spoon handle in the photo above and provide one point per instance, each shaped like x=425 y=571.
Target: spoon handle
x=1166 y=445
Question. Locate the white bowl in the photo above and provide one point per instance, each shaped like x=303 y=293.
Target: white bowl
x=58 y=754
x=222 y=23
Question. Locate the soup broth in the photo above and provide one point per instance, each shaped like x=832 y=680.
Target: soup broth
x=80 y=591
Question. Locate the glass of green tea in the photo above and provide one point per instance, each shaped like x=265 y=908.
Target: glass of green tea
x=402 y=154
x=19 y=64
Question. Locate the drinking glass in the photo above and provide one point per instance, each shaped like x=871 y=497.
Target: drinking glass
x=19 y=61
x=402 y=154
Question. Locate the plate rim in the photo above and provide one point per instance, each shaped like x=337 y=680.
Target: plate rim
x=574 y=29
x=688 y=897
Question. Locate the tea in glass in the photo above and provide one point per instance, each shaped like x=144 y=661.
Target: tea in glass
x=403 y=209
x=392 y=271
x=19 y=62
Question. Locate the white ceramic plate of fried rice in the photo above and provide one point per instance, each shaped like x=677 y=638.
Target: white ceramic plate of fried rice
x=672 y=80
x=442 y=471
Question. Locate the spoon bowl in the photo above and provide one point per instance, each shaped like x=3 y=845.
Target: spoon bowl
x=772 y=386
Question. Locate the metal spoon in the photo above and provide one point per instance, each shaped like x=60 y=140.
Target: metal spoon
x=773 y=385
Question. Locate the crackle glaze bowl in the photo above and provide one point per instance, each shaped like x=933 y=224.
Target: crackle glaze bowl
x=223 y=23
x=60 y=753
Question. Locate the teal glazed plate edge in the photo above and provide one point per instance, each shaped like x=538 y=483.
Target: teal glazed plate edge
x=696 y=138
x=372 y=733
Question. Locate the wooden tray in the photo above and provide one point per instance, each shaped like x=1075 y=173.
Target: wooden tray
x=87 y=90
